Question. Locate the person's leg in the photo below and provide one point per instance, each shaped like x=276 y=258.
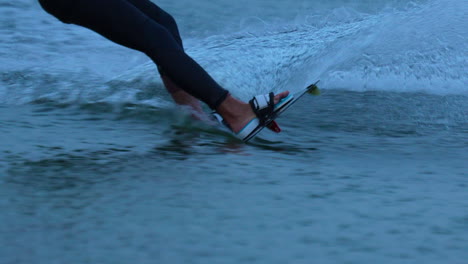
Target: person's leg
x=181 y=97
x=159 y=16
x=165 y=19
x=123 y=23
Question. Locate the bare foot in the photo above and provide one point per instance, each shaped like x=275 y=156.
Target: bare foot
x=181 y=97
x=238 y=114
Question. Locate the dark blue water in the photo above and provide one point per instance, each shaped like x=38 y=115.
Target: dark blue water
x=97 y=165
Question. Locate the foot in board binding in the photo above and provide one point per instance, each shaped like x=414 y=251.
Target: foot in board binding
x=266 y=112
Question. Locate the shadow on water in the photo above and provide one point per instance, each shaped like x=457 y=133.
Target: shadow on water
x=64 y=171
x=280 y=146
x=192 y=138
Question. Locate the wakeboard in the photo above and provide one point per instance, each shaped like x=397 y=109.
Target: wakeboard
x=271 y=123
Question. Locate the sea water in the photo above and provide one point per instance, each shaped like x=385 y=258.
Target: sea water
x=97 y=164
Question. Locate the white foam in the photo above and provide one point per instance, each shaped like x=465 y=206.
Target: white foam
x=422 y=48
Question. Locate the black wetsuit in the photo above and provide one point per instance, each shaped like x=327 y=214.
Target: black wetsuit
x=143 y=26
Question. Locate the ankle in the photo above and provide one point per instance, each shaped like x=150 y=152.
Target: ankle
x=235 y=112
x=230 y=107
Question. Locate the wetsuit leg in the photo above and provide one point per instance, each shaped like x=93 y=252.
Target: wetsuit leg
x=160 y=16
x=122 y=22
x=61 y=9
x=166 y=20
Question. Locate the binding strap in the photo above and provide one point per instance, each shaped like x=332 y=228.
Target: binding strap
x=263 y=106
